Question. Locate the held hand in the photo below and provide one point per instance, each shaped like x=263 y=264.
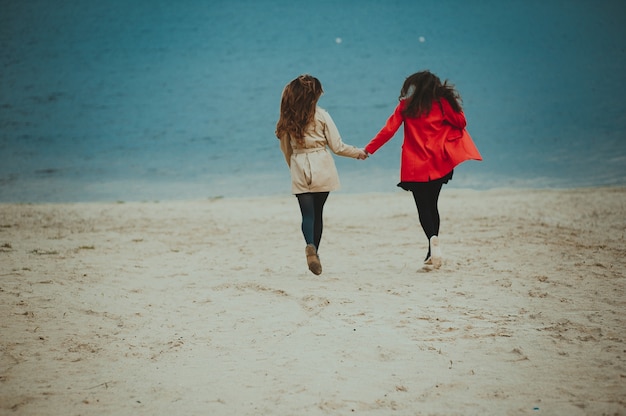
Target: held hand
x=362 y=155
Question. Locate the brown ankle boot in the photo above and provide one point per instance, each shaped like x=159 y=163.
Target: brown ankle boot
x=313 y=259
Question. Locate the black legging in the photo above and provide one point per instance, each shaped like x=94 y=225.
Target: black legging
x=426 y=196
x=312 y=208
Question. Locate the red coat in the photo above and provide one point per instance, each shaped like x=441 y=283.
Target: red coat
x=434 y=144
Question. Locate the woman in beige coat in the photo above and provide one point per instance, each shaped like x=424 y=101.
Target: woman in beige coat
x=306 y=131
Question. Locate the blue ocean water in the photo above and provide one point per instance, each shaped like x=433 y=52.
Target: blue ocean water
x=153 y=100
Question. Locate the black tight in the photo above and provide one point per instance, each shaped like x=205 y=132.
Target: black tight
x=312 y=207
x=426 y=196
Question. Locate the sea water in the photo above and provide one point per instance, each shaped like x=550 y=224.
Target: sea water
x=153 y=100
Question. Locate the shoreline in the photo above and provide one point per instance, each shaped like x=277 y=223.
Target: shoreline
x=393 y=190
x=206 y=306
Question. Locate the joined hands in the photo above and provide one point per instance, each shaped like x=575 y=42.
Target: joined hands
x=362 y=154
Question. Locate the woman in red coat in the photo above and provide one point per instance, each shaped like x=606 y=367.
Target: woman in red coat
x=435 y=141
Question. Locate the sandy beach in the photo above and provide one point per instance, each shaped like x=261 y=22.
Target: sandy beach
x=207 y=308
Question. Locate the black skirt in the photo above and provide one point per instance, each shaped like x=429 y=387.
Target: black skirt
x=415 y=186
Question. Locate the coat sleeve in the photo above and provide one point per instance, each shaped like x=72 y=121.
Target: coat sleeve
x=285 y=146
x=386 y=133
x=456 y=119
x=334 y=139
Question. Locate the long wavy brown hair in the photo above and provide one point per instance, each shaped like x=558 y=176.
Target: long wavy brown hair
x=424 y=88
x=297 y=106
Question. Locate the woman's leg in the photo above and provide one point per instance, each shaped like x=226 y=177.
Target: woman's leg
x=307 y=208
x=319 y=200
x=426 y=198
x=312 y=209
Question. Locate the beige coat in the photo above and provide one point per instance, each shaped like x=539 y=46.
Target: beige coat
x=312 y=166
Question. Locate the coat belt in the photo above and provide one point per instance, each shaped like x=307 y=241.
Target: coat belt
x=308 y=150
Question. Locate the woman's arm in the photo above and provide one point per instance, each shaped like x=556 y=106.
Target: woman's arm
x=334 y=139
x=457 y=120
x=386 y=133
x=285 y=146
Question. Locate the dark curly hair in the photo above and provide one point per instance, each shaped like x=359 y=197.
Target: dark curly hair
x=424 y=88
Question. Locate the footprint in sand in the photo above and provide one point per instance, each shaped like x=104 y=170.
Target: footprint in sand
x=314 y=304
